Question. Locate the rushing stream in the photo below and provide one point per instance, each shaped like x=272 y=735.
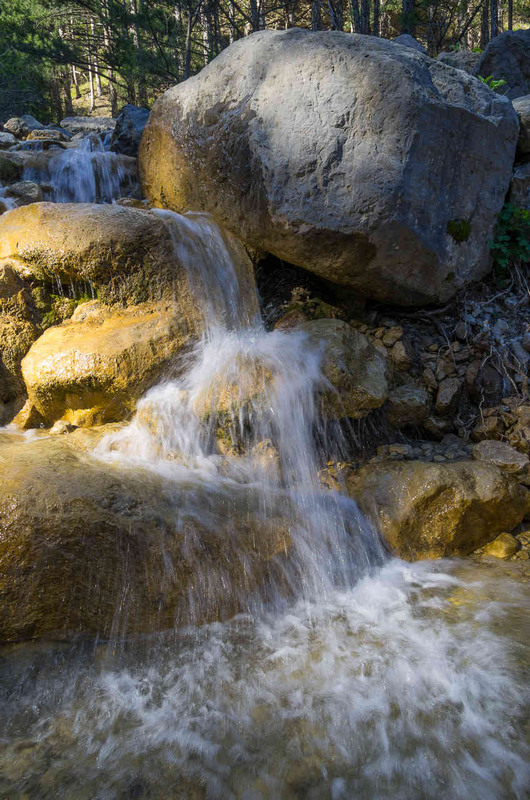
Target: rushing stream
x=89 y=173
x=353 y=675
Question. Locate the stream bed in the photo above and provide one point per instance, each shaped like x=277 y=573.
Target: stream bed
x=412 y=684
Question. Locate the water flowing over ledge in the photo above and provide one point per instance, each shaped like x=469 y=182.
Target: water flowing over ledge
x=348 y=674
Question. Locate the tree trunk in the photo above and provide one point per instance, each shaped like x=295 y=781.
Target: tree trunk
x=91 y=82
x=254 y=15
x=377 y=8
x=316 y=18
x=336 y=14
x=113 y=96
x=99 y=90
x=56 y=99
x=231 y=22
x=76 y=84
x=494 y=18
x=90 y=70
x=365 y=16
x=67 y=89
x=355 y=16
x=407 y=13
x=485 y=26
x=187 y=54
x=510 y=15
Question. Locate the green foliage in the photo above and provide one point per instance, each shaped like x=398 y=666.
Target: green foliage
x=512 y=241
x=459 y=229
x=492 y=84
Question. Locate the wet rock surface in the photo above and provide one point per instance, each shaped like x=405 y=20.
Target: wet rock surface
x=429 y=510
x=93 y=368
x=88 y=548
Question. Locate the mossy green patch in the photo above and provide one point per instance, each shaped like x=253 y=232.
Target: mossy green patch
x=459 y=229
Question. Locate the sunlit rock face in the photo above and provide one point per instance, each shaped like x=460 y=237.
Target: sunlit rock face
x=436 y=510
x=124 y=254
x=147 y=270
x=361 y=160
x=93 y=367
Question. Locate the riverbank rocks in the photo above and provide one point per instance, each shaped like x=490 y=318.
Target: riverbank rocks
x=89 y=548
x=428 y=510
x=520 y=186
x=22 y=126
x=86 y=125
x=356 y=371
x=16 y=337
x=408 y=405
x=507 y=57
x=344 y=176
x=503 y=456
x=466 y=60
x=130 y=124
x=93 y=367
x=406 y=40
x=14 y=163
x=22 y=193
x=6 y=140
x=504 y=546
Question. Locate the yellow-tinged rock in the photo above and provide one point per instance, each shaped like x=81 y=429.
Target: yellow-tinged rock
x=93 y=368
x=125 y=252
x=92 y=548
x=502 y=546
x=431 y=510
x=127 y=255
x=354 y=368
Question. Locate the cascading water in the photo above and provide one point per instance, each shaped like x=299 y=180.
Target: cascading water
x=90 y=173
x=352 y=676
x=260 y=387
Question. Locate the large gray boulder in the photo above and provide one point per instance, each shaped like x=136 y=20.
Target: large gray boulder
x=368 y=164
x=466 y=60
x=507 y=57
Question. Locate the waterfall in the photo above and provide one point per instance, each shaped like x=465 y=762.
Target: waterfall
x=89 y=173
x=260 y=388
x=350 y=675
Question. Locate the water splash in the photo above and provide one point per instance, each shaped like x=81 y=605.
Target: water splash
x=409 y=686
x=89 y=173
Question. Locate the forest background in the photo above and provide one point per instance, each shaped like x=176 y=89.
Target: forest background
x=64 y=57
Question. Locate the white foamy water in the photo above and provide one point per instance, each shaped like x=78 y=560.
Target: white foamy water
x=409 y=685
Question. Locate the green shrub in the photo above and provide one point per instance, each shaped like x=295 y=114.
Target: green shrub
x=512 y=240
x=492 y=84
